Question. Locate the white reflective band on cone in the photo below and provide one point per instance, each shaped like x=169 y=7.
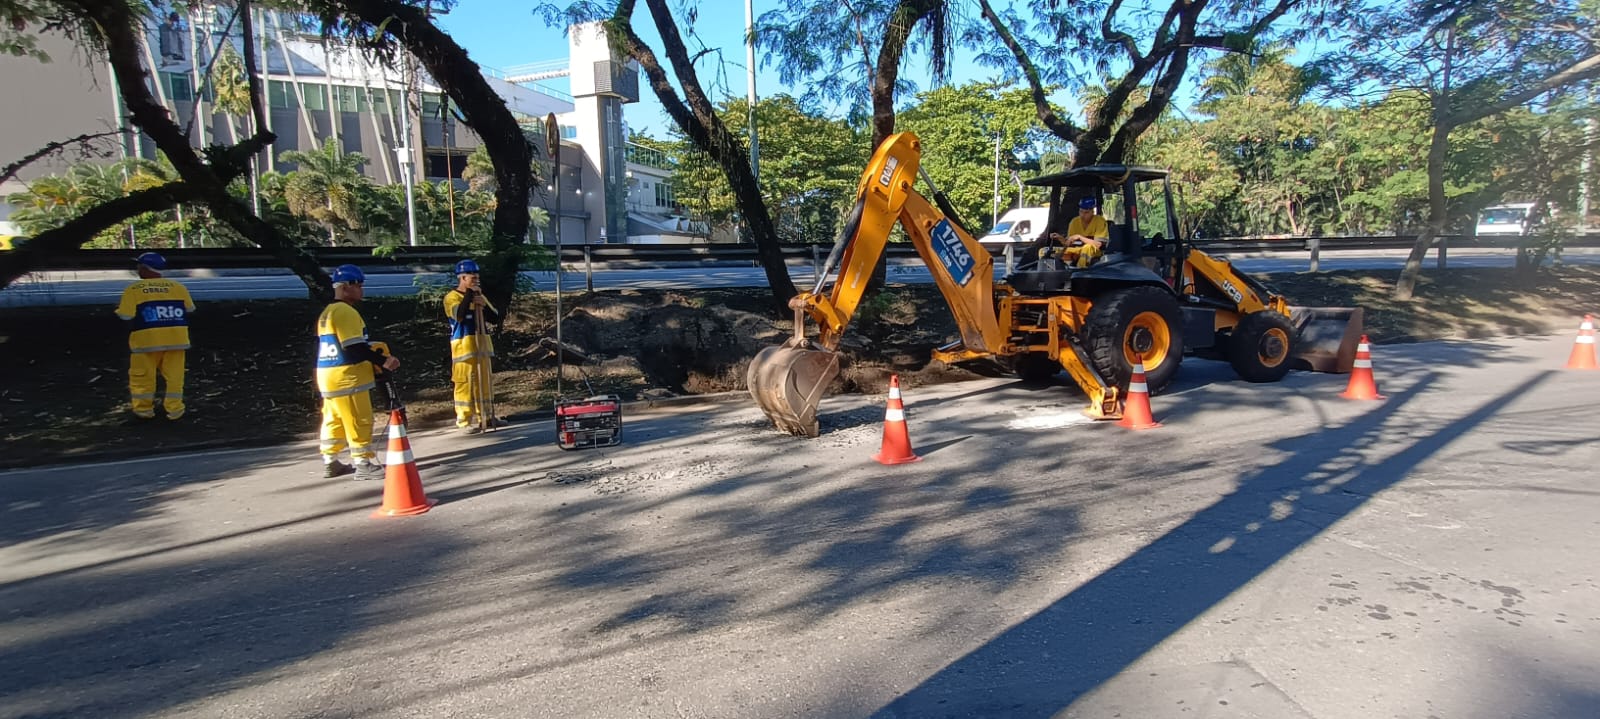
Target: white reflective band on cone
x=1364 y=363
x=1363 y=348
x=398 y=458
x=894 y=393
x=397 y=431
x=1138 y=387
x=1586 y=340
x=894 y=415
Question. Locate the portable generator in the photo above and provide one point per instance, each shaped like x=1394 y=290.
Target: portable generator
x=590 y=422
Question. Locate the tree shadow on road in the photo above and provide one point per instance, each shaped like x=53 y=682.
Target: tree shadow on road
x=1042 y=665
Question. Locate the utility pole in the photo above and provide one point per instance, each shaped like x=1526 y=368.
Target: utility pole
x=996 y=217
x=404 y=155
x=750 y=69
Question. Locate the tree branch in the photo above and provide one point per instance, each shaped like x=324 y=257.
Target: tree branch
x=1060 y=127
x=12 y=169
x=75 y=232
x=1584 y=69
x=1130 y=45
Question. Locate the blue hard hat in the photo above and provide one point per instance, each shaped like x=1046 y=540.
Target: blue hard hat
x=1087 y=203
x=152 y=261
x=348 y=273
x=466 y=267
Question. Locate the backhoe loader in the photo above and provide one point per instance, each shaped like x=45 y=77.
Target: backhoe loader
x=1151 y=298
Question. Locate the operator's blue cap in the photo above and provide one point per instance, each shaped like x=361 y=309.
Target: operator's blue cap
x=152 y=261
x=348 y=273
x=1087 y=203
x=466 y=267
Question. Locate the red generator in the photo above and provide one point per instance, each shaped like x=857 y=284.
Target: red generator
x=591 y=422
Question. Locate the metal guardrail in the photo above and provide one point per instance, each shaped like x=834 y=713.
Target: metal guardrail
x=444 y=255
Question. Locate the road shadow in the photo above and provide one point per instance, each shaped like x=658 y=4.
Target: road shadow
x=1042 y=665
x=145 y=639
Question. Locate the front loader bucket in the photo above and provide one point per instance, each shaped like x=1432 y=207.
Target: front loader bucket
x=788 y=382
x=1328 y=337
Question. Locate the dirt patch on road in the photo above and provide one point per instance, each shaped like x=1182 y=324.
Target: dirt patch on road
x=64 y=393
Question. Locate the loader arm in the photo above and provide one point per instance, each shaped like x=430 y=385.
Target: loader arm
x=962 y=269
x=787 y=381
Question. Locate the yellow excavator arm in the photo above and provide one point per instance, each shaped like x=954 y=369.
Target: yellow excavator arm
x=787 y=381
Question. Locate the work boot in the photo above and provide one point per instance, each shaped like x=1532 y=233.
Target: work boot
x=367 y=469
x=336 y=469
x=469 y=428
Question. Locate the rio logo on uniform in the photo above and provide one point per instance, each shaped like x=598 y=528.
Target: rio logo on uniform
x=162 y=313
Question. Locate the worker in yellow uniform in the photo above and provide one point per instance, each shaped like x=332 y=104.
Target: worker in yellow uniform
x=464 y=307
x=344 y=377
x=1087 y=235
x=158 y=310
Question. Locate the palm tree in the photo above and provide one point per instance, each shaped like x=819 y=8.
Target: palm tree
x=479 y=172
x=325 y=186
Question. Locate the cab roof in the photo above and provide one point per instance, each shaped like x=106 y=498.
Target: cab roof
x=1098 y=175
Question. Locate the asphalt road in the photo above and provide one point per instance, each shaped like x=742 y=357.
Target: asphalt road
x=1272 y=551
x=91 y=288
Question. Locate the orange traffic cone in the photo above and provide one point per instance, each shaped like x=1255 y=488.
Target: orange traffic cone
x=1583 y=353
x=1362 y=386
x=896 y=448
x=1136 y=408
x=402 y=486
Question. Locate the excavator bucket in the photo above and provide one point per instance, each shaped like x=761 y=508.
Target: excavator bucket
x=787 y=383
x=1328 y=337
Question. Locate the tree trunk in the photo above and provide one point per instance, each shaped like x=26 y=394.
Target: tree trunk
x=488 y=116
x=698 y=120
x=1438 y=150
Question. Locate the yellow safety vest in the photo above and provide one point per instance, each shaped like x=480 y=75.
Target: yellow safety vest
x=159 y=309
x=463 y=337
x=338 y=374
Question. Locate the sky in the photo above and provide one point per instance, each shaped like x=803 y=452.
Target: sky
x=506 y=33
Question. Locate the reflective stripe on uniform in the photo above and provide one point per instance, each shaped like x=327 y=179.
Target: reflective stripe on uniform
x=162 y=348
x=330 y=394
x=150 y=395
x=352 y=341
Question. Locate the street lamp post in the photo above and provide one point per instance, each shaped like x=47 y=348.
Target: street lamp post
x=404 y=156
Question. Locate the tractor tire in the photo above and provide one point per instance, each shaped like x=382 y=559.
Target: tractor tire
x=1036 y=368
x=1262 y=346
x=1143 y=319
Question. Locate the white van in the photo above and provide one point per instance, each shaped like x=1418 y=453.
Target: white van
x=1020 y=226
x=1508 y=219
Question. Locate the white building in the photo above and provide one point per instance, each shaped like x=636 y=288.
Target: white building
x=609 y=190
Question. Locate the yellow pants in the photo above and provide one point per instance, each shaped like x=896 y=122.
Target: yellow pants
x=1082 y=255
x=347 y=421
x=462 y=375
x=142 y=370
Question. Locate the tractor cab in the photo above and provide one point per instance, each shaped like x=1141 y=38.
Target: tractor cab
x=1143 y=243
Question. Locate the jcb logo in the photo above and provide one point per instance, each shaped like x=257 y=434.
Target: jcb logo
x=1232 y=291
x=888 y=171
x=327 y=350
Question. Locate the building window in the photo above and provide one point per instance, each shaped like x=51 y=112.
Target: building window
x=432 y=108
x=441 y=165
x=664 y=197
x=279 y=95
x=314 y=97
x=348 y=98
x=569 y=132
x=179 y=88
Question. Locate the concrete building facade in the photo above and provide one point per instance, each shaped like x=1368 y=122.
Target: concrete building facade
x=609 y=190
